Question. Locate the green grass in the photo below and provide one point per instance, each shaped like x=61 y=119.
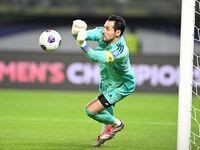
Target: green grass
x=44 y=120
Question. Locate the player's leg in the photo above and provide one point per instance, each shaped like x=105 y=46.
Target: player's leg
x=112 y=95
x=111 y=111
x=106 y=128
x=96 y=110
x=104 y=117
x=103 y=87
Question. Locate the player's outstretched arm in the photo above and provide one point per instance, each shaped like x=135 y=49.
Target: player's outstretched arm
x=96 y=56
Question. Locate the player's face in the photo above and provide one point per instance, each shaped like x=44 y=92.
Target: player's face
x=109 y=33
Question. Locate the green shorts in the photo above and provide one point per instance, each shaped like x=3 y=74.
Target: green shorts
x=116 y=93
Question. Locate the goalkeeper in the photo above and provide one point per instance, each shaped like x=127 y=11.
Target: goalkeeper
x=117 y=79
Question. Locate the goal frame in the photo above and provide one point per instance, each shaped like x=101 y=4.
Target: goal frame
x=185 y=74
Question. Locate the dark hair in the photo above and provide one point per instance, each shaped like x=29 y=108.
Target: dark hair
x=119 y=24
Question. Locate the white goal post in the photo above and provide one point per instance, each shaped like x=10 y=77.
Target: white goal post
x=186 y=74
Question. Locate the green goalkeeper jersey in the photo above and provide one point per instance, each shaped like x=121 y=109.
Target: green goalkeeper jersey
x=113 y=60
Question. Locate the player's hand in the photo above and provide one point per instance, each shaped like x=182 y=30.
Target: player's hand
x=77 y=26
x=82 y=35
x=81 y=44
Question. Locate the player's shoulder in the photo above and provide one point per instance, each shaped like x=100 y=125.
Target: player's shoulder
x=119 y=48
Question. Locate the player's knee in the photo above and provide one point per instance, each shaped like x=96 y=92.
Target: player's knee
x=89 y=113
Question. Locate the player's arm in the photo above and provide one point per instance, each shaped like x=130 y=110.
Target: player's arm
x=94 y=34
x=104 y=56
x=100 y=56
x=96 y=56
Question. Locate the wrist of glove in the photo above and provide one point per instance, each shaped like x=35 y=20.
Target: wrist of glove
x=77 y=26
x=82 y=35
x=82 y=44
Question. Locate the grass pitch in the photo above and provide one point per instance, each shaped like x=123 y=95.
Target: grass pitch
x=52 y=120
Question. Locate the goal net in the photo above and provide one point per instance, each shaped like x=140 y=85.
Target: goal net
x=195 y=112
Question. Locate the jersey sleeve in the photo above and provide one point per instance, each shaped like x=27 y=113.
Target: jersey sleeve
x=95 y=34
x=115 y=54
x=100 y=56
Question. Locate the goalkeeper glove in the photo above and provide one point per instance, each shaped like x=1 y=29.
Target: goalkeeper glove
x=82 y=35
x=77 y=26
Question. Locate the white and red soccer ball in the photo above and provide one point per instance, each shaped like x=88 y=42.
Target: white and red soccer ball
x=50 y=40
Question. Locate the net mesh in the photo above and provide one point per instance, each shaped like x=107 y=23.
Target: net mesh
x=195 y=118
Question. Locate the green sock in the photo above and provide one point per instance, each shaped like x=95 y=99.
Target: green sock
x=102 y=116
x=111 y=111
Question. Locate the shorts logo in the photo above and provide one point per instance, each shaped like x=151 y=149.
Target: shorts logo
x=106 y=104
x=115 y=53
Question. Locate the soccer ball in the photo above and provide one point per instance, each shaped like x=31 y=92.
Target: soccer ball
x=50 y=40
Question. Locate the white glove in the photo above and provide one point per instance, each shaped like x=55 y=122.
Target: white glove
x=82 y=35
x=77 y=26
